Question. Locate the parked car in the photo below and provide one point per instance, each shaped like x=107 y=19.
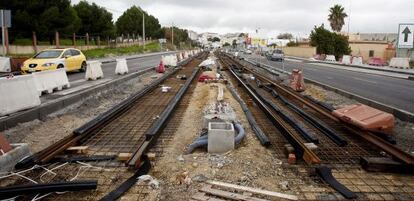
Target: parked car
x=248 y=51
x=275 y=55
x=69 y=58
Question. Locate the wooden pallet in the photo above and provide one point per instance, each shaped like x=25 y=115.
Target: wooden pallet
x=220 y=191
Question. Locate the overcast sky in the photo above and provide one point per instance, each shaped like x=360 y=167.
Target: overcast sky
x=271 y=16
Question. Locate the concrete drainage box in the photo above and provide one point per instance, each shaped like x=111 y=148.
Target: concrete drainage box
x=220 y=137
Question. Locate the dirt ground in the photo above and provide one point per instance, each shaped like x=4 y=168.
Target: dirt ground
x=181 y=175
x=39 y=134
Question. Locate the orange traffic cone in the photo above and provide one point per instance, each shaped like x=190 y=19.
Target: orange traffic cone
x=161 y=68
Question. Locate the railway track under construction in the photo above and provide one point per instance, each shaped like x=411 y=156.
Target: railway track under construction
x=130 y=128
x=287 y=117
x=338 y=143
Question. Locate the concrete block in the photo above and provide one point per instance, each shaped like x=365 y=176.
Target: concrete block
x=48 y=81
x=94 y=70
x=121 y=67
x=185 y=55
x=5 y=65
x=169 y=60
x=18 y=93
x=179 y=57
x=346 y=59
x=356 y=60
x=11 y=158
x=220 y=137
x=398 y=62
x=330 y=58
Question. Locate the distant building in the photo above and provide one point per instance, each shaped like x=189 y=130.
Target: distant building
x=192 y=35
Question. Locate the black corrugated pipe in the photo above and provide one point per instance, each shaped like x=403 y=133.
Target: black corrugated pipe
x=315 y=122
x=13 y=191
x=306 y=134
x=264 y=140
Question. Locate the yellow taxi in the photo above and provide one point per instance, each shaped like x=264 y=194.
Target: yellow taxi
x=69 y=58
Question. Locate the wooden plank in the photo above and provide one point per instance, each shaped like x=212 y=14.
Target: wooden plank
x=78 y=149
x=229 y=195
x=124 y=156
x=253 y=190
x=200 y=196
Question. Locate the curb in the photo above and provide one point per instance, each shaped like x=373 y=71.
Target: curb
x=398 y=113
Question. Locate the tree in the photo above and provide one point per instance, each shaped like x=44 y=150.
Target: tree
x=130 y=22
x=292 y=44
x=285 y=36
x=42 y=16
x=336 y=17
x=327 y=42
x=95 y=20
x=226 y=44
x=215 y=39
x=180 y=35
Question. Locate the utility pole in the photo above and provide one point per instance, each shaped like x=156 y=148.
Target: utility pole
x=172 y=34
x=2 y=32
x=143 y=27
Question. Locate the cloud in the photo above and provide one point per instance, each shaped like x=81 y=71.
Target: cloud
x=270 y=16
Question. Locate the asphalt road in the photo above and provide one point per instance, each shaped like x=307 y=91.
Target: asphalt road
x=109 y=68
x=395 y=92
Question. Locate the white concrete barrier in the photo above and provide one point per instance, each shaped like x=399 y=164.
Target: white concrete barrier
x=330 y=58
x=356 y=60
x=170 y=60
x=185 y=55
x=346 y=59
x=399 y=62
x=5 y=64
x=179 y=56
x=121 y=67
x=94 y=70
x=18 y=93
x=47 y=81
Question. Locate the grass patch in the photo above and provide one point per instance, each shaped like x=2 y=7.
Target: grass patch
x=411 y=64
x=104 y=52
x=64 y=42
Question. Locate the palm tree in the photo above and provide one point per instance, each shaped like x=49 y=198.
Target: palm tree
x=336 y=17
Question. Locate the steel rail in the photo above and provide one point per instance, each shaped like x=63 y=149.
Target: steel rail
x=331 y=134
x=154 y=131
x=301 y=150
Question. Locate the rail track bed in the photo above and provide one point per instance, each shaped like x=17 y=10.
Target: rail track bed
x=344 y=159
x=123 y=131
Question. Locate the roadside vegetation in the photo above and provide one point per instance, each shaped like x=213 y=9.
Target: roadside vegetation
x=45 y=18
x=105 y=52
x=327 y=42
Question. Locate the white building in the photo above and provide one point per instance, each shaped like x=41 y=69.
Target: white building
x=192 y=35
